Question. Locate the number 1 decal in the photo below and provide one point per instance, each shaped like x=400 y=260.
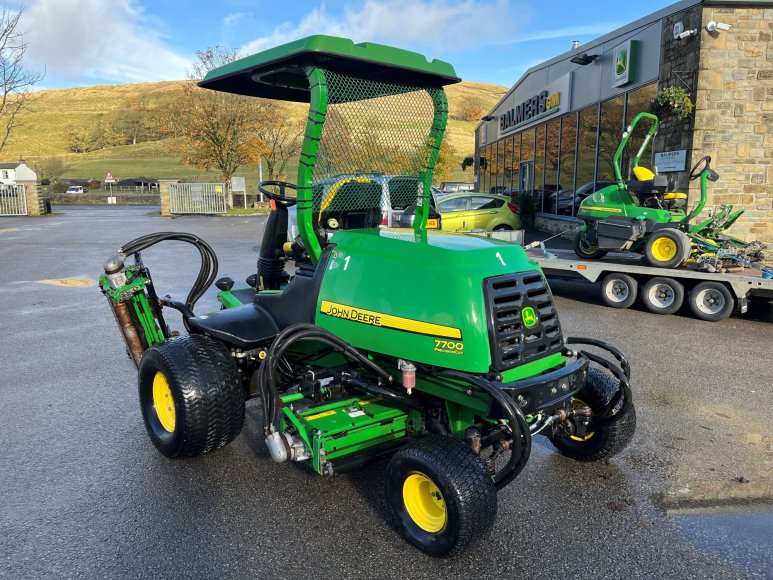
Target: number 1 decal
x=346 y=262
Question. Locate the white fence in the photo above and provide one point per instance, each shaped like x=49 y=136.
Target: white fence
x=13 y=200
x=201 y=198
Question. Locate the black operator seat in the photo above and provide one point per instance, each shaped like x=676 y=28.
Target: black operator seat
x=252 y=325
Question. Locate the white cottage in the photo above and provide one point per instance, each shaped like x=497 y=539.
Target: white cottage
x=10 y=173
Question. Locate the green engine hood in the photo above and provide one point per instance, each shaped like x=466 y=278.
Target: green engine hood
x=415 y=296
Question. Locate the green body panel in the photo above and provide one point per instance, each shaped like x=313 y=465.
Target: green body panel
x=377 y=271
x=613 y=201
x=345 y=427
x=276 y=73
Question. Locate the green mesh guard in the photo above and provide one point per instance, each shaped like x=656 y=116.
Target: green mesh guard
x=375 y=150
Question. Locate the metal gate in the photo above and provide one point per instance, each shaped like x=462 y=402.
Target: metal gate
x=13 y=200
x=207 y=198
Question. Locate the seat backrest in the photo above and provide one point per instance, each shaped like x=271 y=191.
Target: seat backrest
x=643 y=174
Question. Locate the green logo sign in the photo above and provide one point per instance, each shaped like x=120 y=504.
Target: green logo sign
x=529 y=317
x=622 y=62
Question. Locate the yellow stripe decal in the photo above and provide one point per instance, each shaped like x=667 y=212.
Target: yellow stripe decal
x=387 y=320
x=319 y=415
x=609 y=209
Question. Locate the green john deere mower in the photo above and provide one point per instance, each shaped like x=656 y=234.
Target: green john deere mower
x=440 y=351
x=642 y=216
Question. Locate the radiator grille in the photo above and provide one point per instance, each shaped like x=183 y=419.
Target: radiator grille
x=513 y=343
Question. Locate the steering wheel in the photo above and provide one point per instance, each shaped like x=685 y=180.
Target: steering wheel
x=694 y=173
x=280 y=197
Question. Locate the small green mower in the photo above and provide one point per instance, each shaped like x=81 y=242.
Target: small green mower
x=642 y=216
x=440 y=351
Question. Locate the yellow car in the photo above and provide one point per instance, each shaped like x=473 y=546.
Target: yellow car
x=473 y=211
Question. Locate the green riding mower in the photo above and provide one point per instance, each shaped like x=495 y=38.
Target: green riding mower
x=442 y=352
x=642 y=216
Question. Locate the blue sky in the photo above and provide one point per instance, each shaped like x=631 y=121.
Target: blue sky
x=86 y=42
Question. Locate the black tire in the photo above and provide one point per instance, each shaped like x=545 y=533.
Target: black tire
x=619 y=290
x=468 y=496
x=604 y=441
x=667 y=248
x=206 y=395
x=503 y=228
x=585 y=250
x=662 y=295
x=711 y=301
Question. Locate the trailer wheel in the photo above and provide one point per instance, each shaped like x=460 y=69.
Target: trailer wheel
x=440 y=495
x=619 y=290
x=604 y=441
x=711 y=301
x=191 y=396
x=667 y=248
x=585 y=250
x=662 y=295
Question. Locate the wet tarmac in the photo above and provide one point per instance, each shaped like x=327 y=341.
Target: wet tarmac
x=84 y=494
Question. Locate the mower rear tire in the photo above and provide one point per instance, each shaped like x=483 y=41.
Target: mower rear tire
x=662 y=295
x=619 y=290
x=667 y=248
x=711 y=301
x=607 y=440
x=585 y=250
x=191 y=396
x=441 y=497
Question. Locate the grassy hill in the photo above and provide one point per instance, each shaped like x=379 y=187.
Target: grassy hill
x=53 y=114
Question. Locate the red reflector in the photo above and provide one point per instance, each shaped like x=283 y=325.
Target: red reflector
x=513 y=207
x=272 y=203
x=384 y=220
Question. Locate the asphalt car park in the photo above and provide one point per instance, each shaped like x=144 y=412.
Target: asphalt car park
x=84 y=493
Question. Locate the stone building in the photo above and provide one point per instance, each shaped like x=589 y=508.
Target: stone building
x=554 y=133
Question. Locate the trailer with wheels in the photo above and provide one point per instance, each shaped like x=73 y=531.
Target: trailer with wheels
x=623 y=278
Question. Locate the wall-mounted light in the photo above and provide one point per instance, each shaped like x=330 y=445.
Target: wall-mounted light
x=716 y=26
x=584 y=58
x=487 y=118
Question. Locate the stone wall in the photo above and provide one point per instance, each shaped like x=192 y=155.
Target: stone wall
x=678 y=68
x=734 y=114
x=99 y=197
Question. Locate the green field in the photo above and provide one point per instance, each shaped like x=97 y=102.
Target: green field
x=44 y=128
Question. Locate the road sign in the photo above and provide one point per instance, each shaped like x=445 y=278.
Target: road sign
x=109 y=178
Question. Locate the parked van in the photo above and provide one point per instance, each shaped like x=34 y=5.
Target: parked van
x=75 y=189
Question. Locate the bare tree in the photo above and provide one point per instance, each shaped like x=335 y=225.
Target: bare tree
x=283 y=138
x=16 y=82
x=215 y=129
x=51 y=168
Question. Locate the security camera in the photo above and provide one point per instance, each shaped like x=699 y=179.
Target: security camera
x=713 y=26
x=688 y=33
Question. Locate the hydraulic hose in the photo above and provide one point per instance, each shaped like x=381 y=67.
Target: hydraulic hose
x=266 y=375
x=521 y=433
x=207 y=271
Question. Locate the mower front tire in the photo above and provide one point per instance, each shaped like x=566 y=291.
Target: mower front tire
x=191 y=396
x=440 y=495
x=667 y=248
x=609 y=439
x=585 y=250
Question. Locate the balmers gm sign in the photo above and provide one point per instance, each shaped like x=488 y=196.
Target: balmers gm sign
x=554 y=99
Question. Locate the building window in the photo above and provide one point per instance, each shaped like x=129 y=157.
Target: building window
x=552 y=150
x=483 y=175
x=508 y=167
x=566 y=165
x=516 y=162
x=610 y=133
x=5 y=174
x=638 y=101
x=500 y=182
x=586 y=147
x=539 y=168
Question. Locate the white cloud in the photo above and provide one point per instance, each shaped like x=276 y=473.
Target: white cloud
x=574 y=32
x=110 y=40
x=232 y=19
x=443 y=25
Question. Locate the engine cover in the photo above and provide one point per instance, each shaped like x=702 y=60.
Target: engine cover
x=619 y=233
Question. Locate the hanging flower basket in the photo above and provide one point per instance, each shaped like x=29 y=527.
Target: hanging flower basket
x=672 y=102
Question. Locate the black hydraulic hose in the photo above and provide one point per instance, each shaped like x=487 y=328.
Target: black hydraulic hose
x=371 y=388
x=298 y=333
x=209 y=265
x=615 y=352
x=521 y=434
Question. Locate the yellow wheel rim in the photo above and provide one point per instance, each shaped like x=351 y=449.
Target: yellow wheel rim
x=578 y=404
x=163 y=402
x=424 y=502
x=663 y=249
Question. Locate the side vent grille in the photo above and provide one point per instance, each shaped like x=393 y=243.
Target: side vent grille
x=522 y=320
